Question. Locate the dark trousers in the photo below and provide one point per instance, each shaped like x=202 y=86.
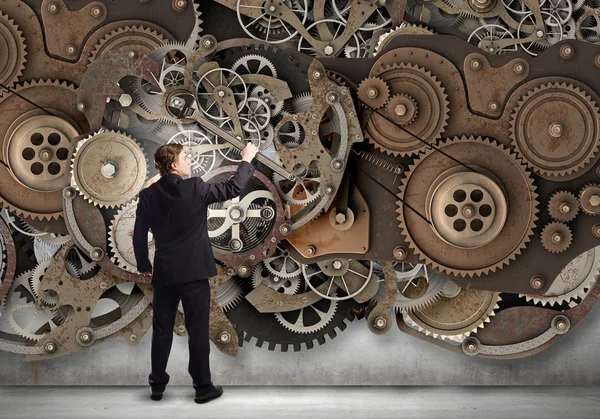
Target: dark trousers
x=195 y=297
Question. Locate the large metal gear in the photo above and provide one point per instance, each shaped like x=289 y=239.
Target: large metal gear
x=144 y=40
x=573 y=283
x=119 y=238
x=423 y=88
x=12 y=61
x=404 y=29
x=455 y=318
x=109 y=169
x=555 y=128
x=493 y=175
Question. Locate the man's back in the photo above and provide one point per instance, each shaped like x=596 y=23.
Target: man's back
x=175 y=209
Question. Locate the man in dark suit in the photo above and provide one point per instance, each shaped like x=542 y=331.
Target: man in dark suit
x=175 y=209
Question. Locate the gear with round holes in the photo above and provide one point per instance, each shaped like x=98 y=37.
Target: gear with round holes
x=554 y=129
x=455 y=318
x=563 y=206
x=589 y=199
x=109 y=169
x=424 y=89
x=556 y=237
x=374 y=92
x=467 y=206
x=13 y=45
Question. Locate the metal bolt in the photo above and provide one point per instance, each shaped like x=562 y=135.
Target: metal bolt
x=540 y=33
x=96 y=254
x=235 y=244
x=400 y=253
x=566 y=51
x=594 y=200
x=332 y=98
x=285 y=229
x=132 y=54
x=81 y=106
x=565 y=208
x=557 y=237
x=108 y=170
x=230 y=271
x=596 y=230
x=328 y=50
x=519 y=68
x=561 y=325
x=338 y=164
x=96 y=12
x=179 y=5
x=133 y=338
x=85 y=337
x=372 y=93
x=329 y=190
x=382 y=2
x=468 y=211
x=380 y=322
x=224 y=337
x=471 y=347
x=45 y=155
x=536 y=282
x=475 y=64
x=340 y=218
x=207 y=43
x=53 y=8
x=235 y=213
x=310 y=250
x=317 y=75
x=68 y=192
x=400 y=110
x=243 y=270
x=337 y=264
x=221 y=93
x=125 y=100
x=556 y=130
x=493 y=106
x=71 y=49
x=272 y=8
x=103 y=285
x=267 y=213
x=50 y=347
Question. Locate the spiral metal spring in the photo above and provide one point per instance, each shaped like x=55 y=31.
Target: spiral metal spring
x=396 y=169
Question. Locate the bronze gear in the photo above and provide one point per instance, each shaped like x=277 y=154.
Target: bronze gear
x=563 y=206
x=374 y=92
x=556 y=237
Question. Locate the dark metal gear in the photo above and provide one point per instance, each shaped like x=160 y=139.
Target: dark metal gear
x=469 y=209
x=374 y=92
x=12 y=45
x=143 y=40
x=555 y=129
x=589 y=199
x=563 y=206
x=429 y=94
x=556 y=237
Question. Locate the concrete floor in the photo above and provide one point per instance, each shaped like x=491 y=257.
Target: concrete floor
x=303 y=402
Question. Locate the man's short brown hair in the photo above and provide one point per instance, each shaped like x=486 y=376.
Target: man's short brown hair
x=164 y=156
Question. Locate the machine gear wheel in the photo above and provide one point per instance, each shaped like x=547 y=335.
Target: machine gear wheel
x=263 y=276
x=403 y=29
x=425 y=89
x=498 y=192
x=119 y=238
x=12 y=43
x=554 y=129
x=589 y=199
x=305 y=189
x=142 y=39
x=282 y=264
x=50 y=145
x=563 y=206
x=556 y=237
x=254 y=64
x=374 y=92
x=109 y=169
x=455 y=318
x=573 y=283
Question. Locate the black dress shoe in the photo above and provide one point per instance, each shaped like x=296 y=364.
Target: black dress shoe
x=214 y=393
x=156 y=395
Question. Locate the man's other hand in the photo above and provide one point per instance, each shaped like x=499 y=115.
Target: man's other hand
x=147 y=273
x=249 y=152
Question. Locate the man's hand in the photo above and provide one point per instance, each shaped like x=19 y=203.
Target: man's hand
x=147 y=273
x=249 y=152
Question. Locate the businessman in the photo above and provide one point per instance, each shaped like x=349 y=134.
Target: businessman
x=175 y=209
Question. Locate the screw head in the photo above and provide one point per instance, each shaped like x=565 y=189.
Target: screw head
x=493 y=106
x=400 y=110
x=224 y=337
x=519 y=68
x=243 y=270
x=596 y=230
x=380 y=322
x=340 y=218
x=310 y=250
x=96 y=12
x=125 y=100
x=372 y=93
x=556 y=130
x=337 y=264
x=85 y=337
x=132 y=54
x=561 y=325
x=329 y=189
x=81 y=106
x=45 y=155
x=468 y=211
x=400 y=253
x=108 y=170
x=71 y=49
x=540 y=33
x=133 y=338
x=53 y=7
x=207 y=43
x=536 y=282
x=103 y=285
x=50 y=347
x=328 y=50
x=566 y=51
x=557 y=237
x=285 y=229
x=235 y=244
x=594 y=200
x=221 y=93
x=475 y=64
x=230 y=271
x=317 y=75
x=565 y=208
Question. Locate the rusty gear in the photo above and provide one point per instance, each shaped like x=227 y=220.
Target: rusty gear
x=589 y=199
x=12 y=45
x=374 y=92
x=404 y=29
x=556 y=237
x=563 y=206
x=455 y=318
x=482 y=247
x=109 y=169
x=425 y=89
x=402 y=109
x=555 y=129
x=139 y=38
x=21 y=121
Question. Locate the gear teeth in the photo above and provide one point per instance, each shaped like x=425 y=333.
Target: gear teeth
x=21 y=54
x=480 y=271
x=548 y=234
x=555 y=202
x=193 y=40
x=248 y=57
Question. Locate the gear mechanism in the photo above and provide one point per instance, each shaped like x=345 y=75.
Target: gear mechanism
x=556 y=237
x=563 y=206
x=13 y=58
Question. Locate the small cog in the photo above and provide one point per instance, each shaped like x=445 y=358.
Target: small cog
x=563 y=206
x=556 y=237
x=374 y=92
x=589 y=199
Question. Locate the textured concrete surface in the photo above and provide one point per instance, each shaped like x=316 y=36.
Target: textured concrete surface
x=354 y=357
x=314 y=402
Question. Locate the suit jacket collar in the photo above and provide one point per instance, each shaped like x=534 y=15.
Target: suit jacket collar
x=171 y=177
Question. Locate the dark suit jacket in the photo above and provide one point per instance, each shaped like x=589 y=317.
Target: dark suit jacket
x=175 y=209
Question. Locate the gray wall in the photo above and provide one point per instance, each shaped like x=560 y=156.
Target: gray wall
x=354 y=357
